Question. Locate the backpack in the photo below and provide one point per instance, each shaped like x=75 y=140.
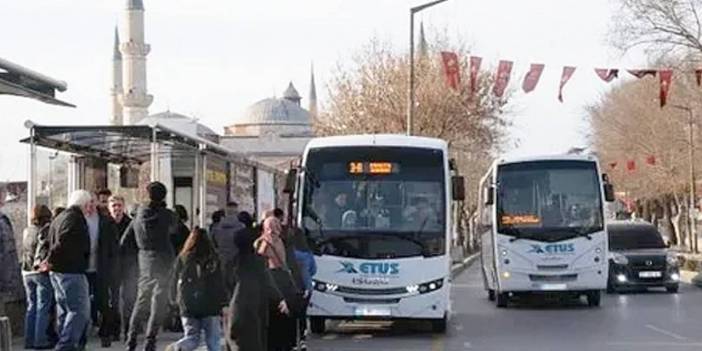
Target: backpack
x=191 y=289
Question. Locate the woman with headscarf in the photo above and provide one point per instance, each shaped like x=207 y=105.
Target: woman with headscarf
x=254 y=294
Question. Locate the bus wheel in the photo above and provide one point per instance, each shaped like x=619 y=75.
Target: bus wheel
x=502 y=299
x=439 y=325
x=317 y=325
x=593 y=298
x=491 y=295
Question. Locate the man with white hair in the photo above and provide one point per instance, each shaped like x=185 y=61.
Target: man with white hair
x=69 y=255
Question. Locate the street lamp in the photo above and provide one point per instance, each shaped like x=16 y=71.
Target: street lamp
x=691 y=207
x=410 y=93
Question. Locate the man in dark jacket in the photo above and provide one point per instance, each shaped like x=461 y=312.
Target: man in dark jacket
x=151 y=230
x=106 y=289
x=69 y=254
x=129 y=271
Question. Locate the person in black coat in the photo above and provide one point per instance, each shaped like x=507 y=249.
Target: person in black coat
x=106 y=281
x=151 y=231
x=69 y=253
x=255 y=291
x=129 y=271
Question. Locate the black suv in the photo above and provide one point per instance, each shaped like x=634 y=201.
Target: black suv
x=639 y=258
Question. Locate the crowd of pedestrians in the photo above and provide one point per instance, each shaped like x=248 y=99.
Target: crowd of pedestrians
x=92 y=267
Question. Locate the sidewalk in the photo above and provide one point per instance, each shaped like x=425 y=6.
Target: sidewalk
x=94 y=343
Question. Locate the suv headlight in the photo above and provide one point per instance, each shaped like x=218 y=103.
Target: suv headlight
x=671 y=260
x=619 y=258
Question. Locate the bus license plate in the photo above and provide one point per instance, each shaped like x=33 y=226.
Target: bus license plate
x=553 y=287
x=372 y=312
x=650 y=274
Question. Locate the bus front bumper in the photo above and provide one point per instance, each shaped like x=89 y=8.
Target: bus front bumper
x=583 y=280
x=433 y=305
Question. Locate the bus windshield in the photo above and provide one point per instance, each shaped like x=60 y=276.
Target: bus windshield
x=549 y=200
x=373 y=202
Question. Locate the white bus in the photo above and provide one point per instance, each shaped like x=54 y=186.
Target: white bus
x=376 y=210
x=542 y=227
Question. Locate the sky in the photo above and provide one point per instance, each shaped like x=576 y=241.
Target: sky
x=211 y=59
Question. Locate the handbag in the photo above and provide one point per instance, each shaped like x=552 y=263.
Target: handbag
x=293 y=295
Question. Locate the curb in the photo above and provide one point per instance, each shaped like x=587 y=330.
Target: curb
x=458 y=268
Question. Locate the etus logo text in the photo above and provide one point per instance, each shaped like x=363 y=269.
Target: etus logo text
x=377 y=268
x=552 y=248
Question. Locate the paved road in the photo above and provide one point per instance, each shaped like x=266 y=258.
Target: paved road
x=639 y=321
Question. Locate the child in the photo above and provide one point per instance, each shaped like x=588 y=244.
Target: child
x=308 y=268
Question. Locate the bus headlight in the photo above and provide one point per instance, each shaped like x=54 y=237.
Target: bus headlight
x=324 y=287
x=428 y=287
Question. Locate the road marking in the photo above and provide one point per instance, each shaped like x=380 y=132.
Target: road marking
x=459 y=327
x=655 y=344
x=666 y=332
x=466 y=286
x=330 y=337
x=467 y=345
x=437 y=343
x=362 y=336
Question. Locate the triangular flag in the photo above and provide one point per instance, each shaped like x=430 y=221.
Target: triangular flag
x=504 y=70
x=532 y=77
x=698 y=75
x=607 y=75
x=651 y=160
x=631 y=165
x=612 y=165
x=640 y=73
x=474 y=70
x=451 y=69
x=666 y=78
x=565 y=77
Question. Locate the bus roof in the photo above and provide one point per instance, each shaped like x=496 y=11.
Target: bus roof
x=377 y=140
x=507 y=160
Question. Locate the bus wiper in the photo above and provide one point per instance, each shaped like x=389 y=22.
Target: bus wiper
x=582 y=231
x=411 y=238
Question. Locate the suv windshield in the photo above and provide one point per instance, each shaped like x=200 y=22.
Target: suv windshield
x=633 y=237
x=373 y=202
x=549 y=200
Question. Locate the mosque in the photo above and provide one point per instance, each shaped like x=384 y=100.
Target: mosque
x=273 y=131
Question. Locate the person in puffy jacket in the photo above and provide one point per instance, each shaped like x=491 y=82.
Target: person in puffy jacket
x=223 y=238
x=37 y=285
x=150 y=231
x=308 y=268
x=199 y=293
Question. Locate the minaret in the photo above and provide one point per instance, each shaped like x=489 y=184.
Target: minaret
x=423 y=46
x=116 y=91
x=135 y=98
x=313 y=94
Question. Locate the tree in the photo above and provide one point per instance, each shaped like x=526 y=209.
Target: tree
x=628 y=124
x=660 y=26
x=370 y=96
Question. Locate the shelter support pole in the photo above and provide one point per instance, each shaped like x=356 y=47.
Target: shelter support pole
x=32 y=184
x=155 y=169
x=203 y=189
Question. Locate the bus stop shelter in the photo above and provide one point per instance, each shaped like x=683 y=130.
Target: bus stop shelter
x=133 y=156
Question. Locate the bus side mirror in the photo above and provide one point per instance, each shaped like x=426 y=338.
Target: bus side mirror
x=458 y=188
x=609 y=192
x=490 y=196
x=290 y=180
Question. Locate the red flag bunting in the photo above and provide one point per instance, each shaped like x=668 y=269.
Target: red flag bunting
x=612 y=165
x=607 y=74
x=451 y=69
x=474 y=70
x=666 y=77
x=504 y=70
x=631 y=165
x=532 y=77
x=640 y=73
x=567 y=73
x=698 y=75
x=651 y=160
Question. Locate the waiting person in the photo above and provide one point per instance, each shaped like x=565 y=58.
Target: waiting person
x=308 y=268
x=247 y=328
x=129 y=272
x=10 y=276
x=199 y=293
x=69 y=255
x=181 y=234
x=103 y=200
x=151 y=229
x=57 y=211
x=102 y=272
x=336 y=210
x=216 y=218
x=223 y=238
x=37 y=285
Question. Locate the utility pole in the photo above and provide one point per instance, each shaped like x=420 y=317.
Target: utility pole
x=410 y=93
